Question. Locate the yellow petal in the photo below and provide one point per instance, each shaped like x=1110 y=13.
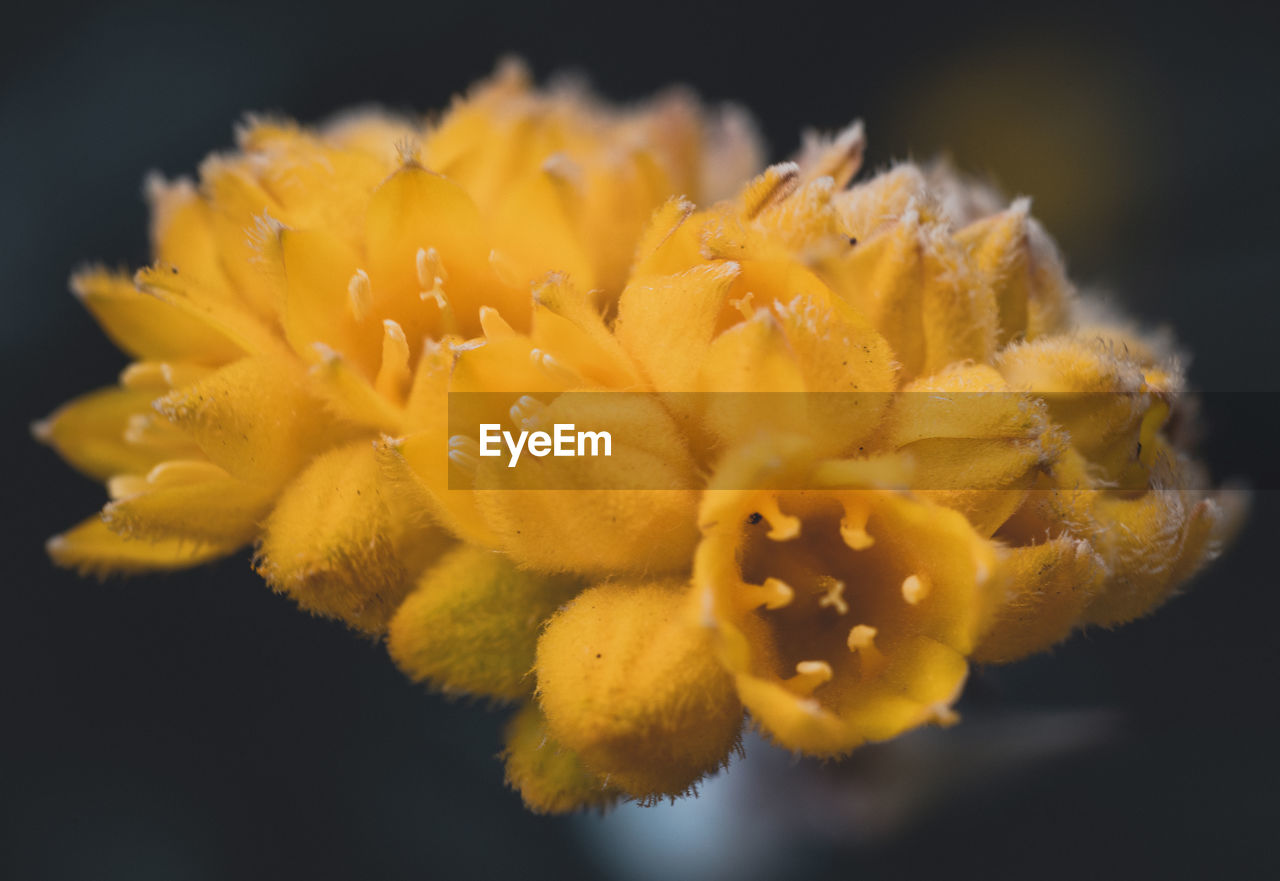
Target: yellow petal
x=418 y=470
x=239 y=324
x=91 y=548
x=255 y=418
x=631 y=511
x=241 y=214
x=873 y=206
x=837 y=156
x=182 y=232
x=146 y=327
x=416 y=210
x=977 y=445
x=352 y=396
x=1098 y=395
x=1050 y=585
x=571 y=329
x=629 y=680
x=917 y=288
x=92 y=432
x=667 y=244
x=191 y=501
x=1152 y=542
x=1022 y=266
x=667 y=323
x=316 y=183
x=158 y=377
x=318 y=270
x=551 y=242
x=472 y=622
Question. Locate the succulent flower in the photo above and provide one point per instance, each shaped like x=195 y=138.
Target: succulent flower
x=862 y=436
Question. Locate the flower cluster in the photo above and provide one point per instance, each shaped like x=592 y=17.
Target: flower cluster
x=960 y=459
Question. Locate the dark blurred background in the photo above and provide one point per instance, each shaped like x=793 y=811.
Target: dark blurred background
x=198 y=726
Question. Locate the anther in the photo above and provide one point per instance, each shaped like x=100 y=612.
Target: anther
x=853 y=528
x=527 y=411
x=493 y=325
x=810 y=675
x=393 y=373
x=431 y=271
x=782 y=527
x=743 y=305
x=943 y=715
x=914 y=589
x=123 y=486
x=862 y=641
x=464 y=452
x=360 y=294
x=773 y=594
x=137 y=427
x=558 y=369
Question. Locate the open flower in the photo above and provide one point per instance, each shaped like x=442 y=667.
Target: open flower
x=845 y=613
x=863 y=435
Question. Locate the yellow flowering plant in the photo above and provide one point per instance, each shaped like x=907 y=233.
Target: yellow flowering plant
x=860 y=435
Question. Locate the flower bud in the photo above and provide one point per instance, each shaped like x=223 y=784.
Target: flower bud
x=471 y=623
x=629 y=680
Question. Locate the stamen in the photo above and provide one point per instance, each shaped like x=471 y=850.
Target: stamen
x=558 y=369
x=743 y=305
x=914 y=589
x=122 y=486
x=853 y=527
x=943 y=715
x=436 y=293
x=562 y=168
x=159 y=376
x=360 y=294
x=464 y=452
x=177 y=375
x=834 y=595
x=508 y=273
x=810 y=675
x=773 y=594
x=393 y=374
x=141 y=428
x=862 y=641
x=782 y=527
x=431 y=271
x=493 y=325
x=180 y=472
x=527 y=412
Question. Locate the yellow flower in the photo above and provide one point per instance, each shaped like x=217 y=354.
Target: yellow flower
x=845 y=614
x=861 y=436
